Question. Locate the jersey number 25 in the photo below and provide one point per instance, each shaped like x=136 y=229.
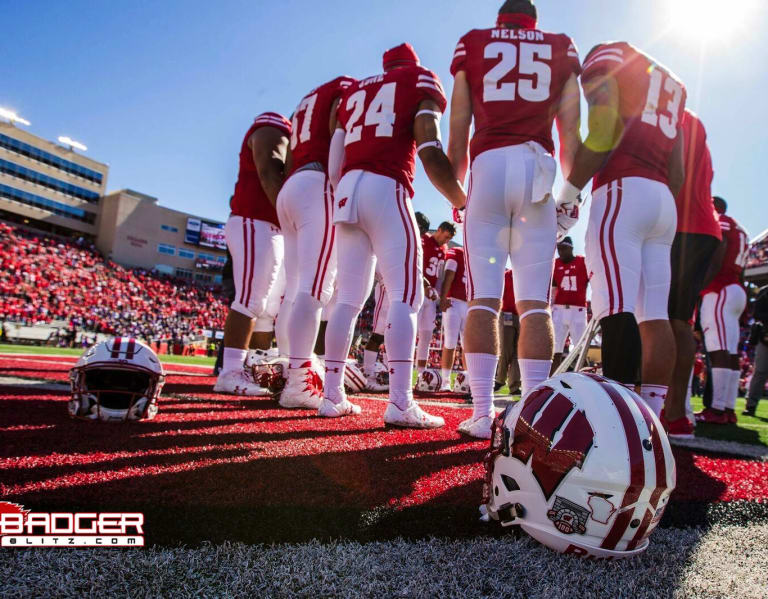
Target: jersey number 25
x=534 y=88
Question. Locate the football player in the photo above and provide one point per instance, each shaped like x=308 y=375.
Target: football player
x=256 y=244
x=371 y=352
x=569 y=298
x=697 y=238
x=433 y=247
x=305 y=209
x=635 y=152
x=508 y=370
x=453 y=305
x=722 y=304
x=514 y=79
x=384 y=121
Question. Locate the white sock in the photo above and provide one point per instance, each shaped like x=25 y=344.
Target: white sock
x=721 y=378
x=533 y=372
x=333 y=386
x=282 y=338
x=338 y=338
x=400 y=338
x=446 y=372
x=234 y=358
x=482 y=370
x=689 y=393
x=302 y=328
x=654 y=396
x=422 y=349
x=369 y=362
x=733 y=390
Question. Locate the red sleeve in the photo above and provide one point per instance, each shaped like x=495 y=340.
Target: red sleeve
x=459 y=56
x=572 y=54
x=272 y=119
x=428 y=87
x=602 y=63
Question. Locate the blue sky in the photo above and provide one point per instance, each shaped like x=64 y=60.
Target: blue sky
x=163 y=91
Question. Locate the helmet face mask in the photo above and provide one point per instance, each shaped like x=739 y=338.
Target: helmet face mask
x=116 y=381
x=582 y=465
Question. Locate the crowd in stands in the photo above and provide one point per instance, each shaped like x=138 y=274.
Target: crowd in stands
x=758 y=253
x=45 y=278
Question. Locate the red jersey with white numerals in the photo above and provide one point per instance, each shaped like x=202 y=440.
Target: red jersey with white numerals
x=735 y=258
x=695 y=210
x=454 y=260
x=378 y=113
x=434 y=258
x=571 y=280
x=516 y=77
x=508 y=299
x=249 y=200
x=311 y=136
x=651 y=104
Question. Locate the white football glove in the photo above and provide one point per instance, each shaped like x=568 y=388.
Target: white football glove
x=458 y=216
x=567 y=206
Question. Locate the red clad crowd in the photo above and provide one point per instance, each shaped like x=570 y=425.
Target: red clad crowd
x=45 y=278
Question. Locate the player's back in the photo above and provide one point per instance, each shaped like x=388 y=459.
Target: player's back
x=311 y=136
x=516 y=78
x=735 y=258
x=378 y=114
x=651 y=104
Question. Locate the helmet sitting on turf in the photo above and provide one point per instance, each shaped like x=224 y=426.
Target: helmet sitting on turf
x=461 y=384
x=429 y=381
x=354 y=379
x=116 y=380
x=582 y=465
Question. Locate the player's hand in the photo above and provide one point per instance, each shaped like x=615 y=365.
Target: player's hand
x=431 y=293
x=445 y=303
x=567 y=207
x=458 y=215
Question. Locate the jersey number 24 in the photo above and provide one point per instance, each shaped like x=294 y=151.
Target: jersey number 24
x=380 y=113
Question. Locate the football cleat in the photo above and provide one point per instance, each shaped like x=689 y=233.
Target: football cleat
x=237 y=382
x=412 y=417
x=445 y=387
x=680 y=429
x=374 y=383
x=304 y=389
x=480 y=428
x=710 y=416
x=328 y=409
x=731 y=416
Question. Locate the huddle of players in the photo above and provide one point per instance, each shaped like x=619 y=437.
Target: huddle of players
x=340 y=175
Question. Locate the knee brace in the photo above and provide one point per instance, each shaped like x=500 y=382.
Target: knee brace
x=621 y=348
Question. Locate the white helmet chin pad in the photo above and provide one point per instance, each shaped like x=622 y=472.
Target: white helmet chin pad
x=116 y=380
x=582 y=465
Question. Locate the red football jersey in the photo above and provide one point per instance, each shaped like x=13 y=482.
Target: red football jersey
x=508 y=299
x=516 y=77
x=570 y=281
x=735 y=258
x=455 y=262
x=434 y=258
x=651 y=104
x=249 y=200
x=378 y=114
x=311 y=137
x=695 y=211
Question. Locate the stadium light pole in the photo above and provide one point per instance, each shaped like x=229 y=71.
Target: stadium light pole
x=73 y=145
x=12 y=118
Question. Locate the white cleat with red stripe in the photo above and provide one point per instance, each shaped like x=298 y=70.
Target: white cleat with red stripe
x=480 y=428
x=238 y=382
x=328 y=409
x=304 y=389
x=412 y=417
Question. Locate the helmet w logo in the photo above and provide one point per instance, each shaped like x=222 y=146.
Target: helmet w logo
x=551 y=461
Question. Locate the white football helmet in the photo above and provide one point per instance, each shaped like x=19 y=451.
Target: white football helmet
x=354 y=379
x=116 y=380
x=582 y=465
x=461 y=384
x=429 y=381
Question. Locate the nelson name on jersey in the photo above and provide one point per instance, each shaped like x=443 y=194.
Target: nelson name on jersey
x=524 y=35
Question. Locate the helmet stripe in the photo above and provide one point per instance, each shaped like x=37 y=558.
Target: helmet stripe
x=116 y=344
x=130 y=349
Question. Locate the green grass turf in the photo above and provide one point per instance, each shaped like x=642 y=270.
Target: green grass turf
x=750 y=429
x=65 y=351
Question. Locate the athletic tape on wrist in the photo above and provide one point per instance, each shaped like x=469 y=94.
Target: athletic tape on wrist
x=486 y=308
x=430 y=144
x=535 y=311
x=434 y=113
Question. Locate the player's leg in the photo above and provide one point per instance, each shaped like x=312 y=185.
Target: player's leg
x=387 y=216
x=716 y=342
x=560 y=327
x=371 y=352
x=325 y=314
x=513 y=373
x=615 y=236
x=247 y=239
x=735 y=303
x=658 y=341
x=486 y=244
x=452 y=320
x=426 y=328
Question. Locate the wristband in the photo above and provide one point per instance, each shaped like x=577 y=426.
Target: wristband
x=568 y=193
x=430 y=144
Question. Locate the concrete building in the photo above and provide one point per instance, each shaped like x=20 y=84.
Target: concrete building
x=47 y=185
x=134 y=230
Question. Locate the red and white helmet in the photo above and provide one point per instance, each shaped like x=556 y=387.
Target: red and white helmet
x=429 y=381
x=354 y=379
x=582 y=465
x=116 y=380
x=461 y=384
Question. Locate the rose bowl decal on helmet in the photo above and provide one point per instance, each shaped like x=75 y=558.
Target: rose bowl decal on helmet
x=582 y=465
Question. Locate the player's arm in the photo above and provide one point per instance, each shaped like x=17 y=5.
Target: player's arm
x=677 y=164
x=336 y=155
x=426 y=132
x=445 y=303
x=461 y=122
x=568 y=119
x=716 y=262
x=269 y=146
